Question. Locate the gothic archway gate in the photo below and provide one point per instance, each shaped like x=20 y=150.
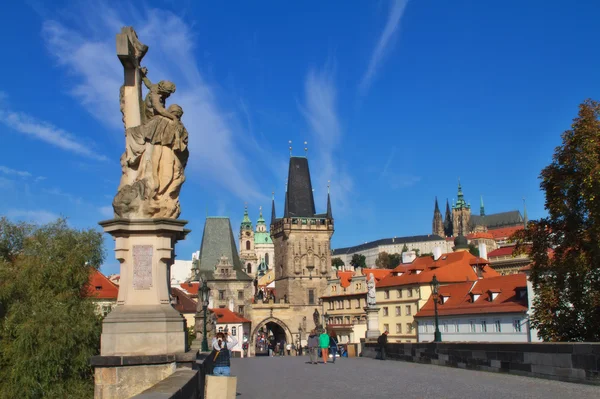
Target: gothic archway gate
x=280 y=331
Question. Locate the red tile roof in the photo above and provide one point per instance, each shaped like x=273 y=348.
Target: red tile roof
x=504 y=232
x=183 y=303
x=100 y=287
x=459 y=300
x=378 y=274
x=225 y=315
x=345 y=278
x=452 y=267
x=480 y=235
x=191 y=288
x=502 y=251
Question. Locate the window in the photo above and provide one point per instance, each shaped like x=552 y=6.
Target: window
x=342 y=304
x=241 y=309
x=398 y=311
x=221 y=294
x=233 y=331
x=348 y=306
x=385 y=311
x=445 y=326
x=407 y=310
x=497 y=326
x=220 y=329
x=409 y=328
x=409 y=292
x=249 y=268
x=358 y=304
x=517 y=325
x=311 y=297
x=398 y=293
x=358 y=286
x=483 y=326
x=472 y=326
x=386 y=294
x=398 y=328
x=248 y=245
x=266 y=257
x=386 y=327
x=241 y=295
x=333 y=288
x=456 y=328
x=347 y=319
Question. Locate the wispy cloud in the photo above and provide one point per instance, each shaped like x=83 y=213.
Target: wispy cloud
x=35 y=216
x=106 y=211
x=14 y=172
x=396 y=11
x=320 y=112
x=44 y=131
x=216 y=144
x=69 y=197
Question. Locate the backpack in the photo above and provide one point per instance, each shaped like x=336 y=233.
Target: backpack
x=209 y=362
x=380 y=340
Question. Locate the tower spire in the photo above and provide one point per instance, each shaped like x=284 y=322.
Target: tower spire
x=273 y=214
x=437 y=208
x=329 y=214
x=481 y=208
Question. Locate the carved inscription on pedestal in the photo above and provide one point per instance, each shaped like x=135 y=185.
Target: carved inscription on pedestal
x=142 y=267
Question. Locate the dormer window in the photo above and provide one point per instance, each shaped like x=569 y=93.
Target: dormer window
x=398 y=274
x=474 y=297
x=98 y=287
x=521 y=293
x=444 y=299
x=418 y=271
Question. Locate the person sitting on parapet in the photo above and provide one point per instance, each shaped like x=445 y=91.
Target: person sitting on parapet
x=223 y=346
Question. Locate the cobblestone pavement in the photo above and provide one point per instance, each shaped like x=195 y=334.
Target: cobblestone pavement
x=292 y=377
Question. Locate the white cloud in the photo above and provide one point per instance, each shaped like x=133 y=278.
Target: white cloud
x=106 y=211
x=395 y=15
x=69 y=197
x=47 y=132
x=88 y=52
x=14 y=172
x=320 y=112
x=35 y=216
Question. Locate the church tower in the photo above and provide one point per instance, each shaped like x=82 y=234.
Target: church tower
x=246 y=244
x=438 y=222
x=461 y=214
x=448 y=228
x=302 y=243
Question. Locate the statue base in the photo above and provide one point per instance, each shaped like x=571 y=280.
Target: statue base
x=372 y=322
x=144 y=322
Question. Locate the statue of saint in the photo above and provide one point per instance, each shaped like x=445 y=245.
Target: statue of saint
x=156 y=140
x=317 y=318
x=371 y=301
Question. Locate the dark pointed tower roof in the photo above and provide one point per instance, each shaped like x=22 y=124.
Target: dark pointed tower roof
x=448 y=227
x=299 y=196
x=437 y=207
x=481 y=208
x=329 y=214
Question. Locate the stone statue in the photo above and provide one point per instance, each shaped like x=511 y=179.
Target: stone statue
x=317 y=318
x=371 y=301
x=156 y=151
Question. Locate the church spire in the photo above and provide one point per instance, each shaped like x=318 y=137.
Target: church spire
x=448 y=226
x=437 y=208
x=481 y=208
x=460 y=202
x=438 y=223
x=273 y=214
x=246 y=222
x=329 y=215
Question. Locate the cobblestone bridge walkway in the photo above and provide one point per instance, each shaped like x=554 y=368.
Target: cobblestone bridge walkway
x=348 y=378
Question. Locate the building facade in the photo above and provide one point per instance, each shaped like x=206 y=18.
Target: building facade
x=256 y=246
x=487 y=310
x=406 y=290
x=505 y=261
x=246 y=244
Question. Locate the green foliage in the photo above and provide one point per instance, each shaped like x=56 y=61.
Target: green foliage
x=567 y=283
x=191 y=336
x=383 y=260
x=426 y=254
x=473 y=250
x=395 y=260
x=358 y=260
x=48 y=328
x=404 y=248
x=337 y=262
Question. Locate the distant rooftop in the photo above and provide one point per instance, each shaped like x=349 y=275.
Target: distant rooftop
x=387 y=241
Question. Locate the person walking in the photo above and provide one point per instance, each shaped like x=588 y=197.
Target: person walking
x=333 y=344
x=313 y=346
x=324 y=344
x=271 y=346
x=222 y=345
x=382 y=342
x=282 y=348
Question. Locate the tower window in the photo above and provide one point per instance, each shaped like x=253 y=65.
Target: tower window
x=267 y=259
x=248 y=245
x=311 y=297
x=249 y=268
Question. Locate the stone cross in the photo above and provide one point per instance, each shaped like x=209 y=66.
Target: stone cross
x=130 y=52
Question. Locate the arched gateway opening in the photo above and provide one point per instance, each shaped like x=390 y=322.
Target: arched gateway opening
x=270 y=333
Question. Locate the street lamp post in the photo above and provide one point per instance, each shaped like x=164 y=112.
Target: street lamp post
x=435 y=286
x=204 y=290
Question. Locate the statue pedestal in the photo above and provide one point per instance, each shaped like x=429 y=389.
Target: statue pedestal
x=372 y=322
x=144 y=324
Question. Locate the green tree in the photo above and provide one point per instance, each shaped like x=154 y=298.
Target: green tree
x=383 y=260
x=404 y=248
x=337 y=263
x=395 y=260
x=473 y=249
x=358 y=260
x=567 y=283
x=48 y=327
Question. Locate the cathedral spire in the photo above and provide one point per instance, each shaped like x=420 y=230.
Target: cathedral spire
x=438 y=223
x=329 y=214
x=460 y=202
x=481 y=208
x=437 y=208
x=448 y=226
x=273 y=214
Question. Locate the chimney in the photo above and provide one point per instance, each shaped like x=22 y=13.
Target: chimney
x=408 y=256
x=483 y=250
x=437 y=253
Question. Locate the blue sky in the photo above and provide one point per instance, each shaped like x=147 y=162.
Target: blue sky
x=395 y=99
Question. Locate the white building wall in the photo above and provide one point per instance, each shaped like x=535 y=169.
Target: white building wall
x=239 y=333
x=262 y=250
x=449 y=324
x=181 y=270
